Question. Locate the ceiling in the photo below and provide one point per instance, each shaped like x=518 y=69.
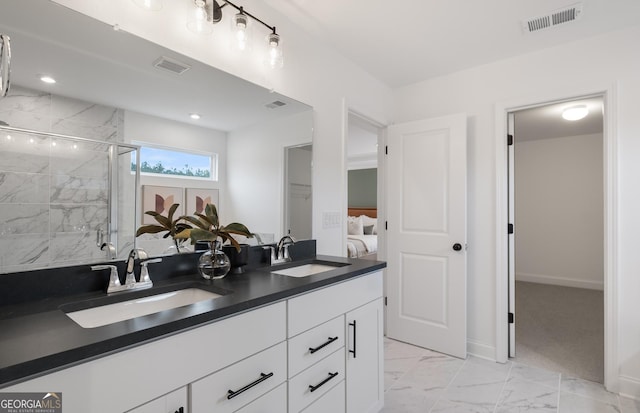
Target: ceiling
x=92 y=62
x=546 y=122
x=405 y=41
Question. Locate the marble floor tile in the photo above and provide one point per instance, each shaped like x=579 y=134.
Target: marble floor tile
x=588 y=389
x=629 y=405
x=572 y=403
x=410 y=398
x=534 y=374
x=396 y=368
x=519 y=395
x=396 y=349
x=472 y=397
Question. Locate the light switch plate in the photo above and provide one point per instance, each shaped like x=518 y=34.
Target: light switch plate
x=331 y=219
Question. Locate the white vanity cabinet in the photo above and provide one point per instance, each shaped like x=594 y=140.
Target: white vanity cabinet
x=174 y=402
x=352 y=312
x=293 y=356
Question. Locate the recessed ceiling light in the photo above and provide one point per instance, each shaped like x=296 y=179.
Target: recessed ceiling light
x=575 y=112
x=47 y=79
x=194 y=116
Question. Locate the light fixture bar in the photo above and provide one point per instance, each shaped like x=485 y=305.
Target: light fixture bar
x=243 y=11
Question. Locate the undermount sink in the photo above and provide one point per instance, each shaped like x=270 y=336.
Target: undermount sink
x=138 y=307
x=306 y=270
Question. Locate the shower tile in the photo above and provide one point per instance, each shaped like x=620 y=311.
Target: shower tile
x=26 y=100
x=80 y=163
x=83 y=130
x=26 y=120
x=30 y=249
x=78 y=218
x=80 y=111
x=24 y=219
x=22 y=152
x=24 y=188
x=68 y=189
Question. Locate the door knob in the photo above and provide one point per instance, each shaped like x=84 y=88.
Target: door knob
x=457 y=247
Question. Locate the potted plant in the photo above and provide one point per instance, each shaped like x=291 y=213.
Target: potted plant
x=213 y=263
x=168 y=224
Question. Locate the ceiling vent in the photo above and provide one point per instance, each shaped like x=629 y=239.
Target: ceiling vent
x=275 y=104
x=171 y=65
x=555 y=18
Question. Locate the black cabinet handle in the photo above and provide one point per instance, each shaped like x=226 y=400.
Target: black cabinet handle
x=180 y=410
x=354 y=338
x=323 y=345
x=231 y=394
x=323 y=382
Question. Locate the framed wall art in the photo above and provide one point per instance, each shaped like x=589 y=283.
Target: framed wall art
x=160 y=199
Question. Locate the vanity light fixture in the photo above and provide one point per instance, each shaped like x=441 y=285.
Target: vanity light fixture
x=194 y=116
x=575 y=112
x=47 y=79
x=209 y=12
x=153 y=5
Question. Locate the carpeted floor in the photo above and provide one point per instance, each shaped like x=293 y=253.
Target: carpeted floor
x=560 y=329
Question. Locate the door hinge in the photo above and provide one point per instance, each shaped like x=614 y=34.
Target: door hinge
x=510 y=229
x=386 y=225
x=509 y=140
x=511 y=318
x=386 y=149
x=385 y=300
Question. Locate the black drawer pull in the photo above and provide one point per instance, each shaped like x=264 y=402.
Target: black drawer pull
x=180 y=410
x=323 y=345
x=231 y=394
x=354 y=339
x=323 y=382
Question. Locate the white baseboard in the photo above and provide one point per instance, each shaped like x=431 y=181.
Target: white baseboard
x=562 y=281
x=482 y=350
x=629 y=387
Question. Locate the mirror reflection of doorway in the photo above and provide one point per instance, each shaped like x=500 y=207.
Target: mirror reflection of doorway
x=298 y=208
x=362 y=187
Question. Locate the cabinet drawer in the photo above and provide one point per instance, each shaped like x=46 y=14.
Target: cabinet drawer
x=309 y=310
x=318 y=376
x=169 y=403
x=333 y=401
x=314 y=345
x=273 y=402
x=247 y=380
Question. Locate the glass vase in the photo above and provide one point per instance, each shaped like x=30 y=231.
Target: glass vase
x=214 y=263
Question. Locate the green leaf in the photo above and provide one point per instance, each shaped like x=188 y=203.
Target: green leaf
x=237 y=228
x=172 y=210
x=149 y=229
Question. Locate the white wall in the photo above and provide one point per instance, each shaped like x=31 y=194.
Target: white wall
x=584 y=65
x=255 y=169
x=560 y=211
x=313 y=73
x=140 y=128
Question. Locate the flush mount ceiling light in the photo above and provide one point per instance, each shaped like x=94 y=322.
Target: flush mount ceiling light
x=47 y=79
x=575 y=112
x=194 y=116
x=208 y=12
x=153 y=5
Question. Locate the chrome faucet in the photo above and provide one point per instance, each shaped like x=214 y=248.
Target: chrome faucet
x=111 y=250
x=280 y=253
x=130 y=280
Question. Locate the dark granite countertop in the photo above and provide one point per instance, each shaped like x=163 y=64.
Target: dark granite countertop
x=37 y=337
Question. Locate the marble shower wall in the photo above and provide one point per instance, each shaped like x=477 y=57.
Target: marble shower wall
x=53 y=192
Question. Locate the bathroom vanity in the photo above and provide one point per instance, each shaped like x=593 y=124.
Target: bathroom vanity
x=268 y=342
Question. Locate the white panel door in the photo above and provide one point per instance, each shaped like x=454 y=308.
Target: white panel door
x=427 y=220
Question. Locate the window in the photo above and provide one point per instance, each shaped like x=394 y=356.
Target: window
x=178 y=164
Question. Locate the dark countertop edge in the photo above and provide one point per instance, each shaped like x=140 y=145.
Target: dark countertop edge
x=18 y=373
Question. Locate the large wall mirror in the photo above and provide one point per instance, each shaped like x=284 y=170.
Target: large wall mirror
x=115 y=88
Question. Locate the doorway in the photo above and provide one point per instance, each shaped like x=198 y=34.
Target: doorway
x=557 y=209
x=298 y=191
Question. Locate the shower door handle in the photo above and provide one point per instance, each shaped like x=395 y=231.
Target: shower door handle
x=5 y=64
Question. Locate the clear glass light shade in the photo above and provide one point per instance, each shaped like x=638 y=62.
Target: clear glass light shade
x=198 y=23
x=241 y=29
x=575 y=112
x=153 y=5
x=274 y=58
